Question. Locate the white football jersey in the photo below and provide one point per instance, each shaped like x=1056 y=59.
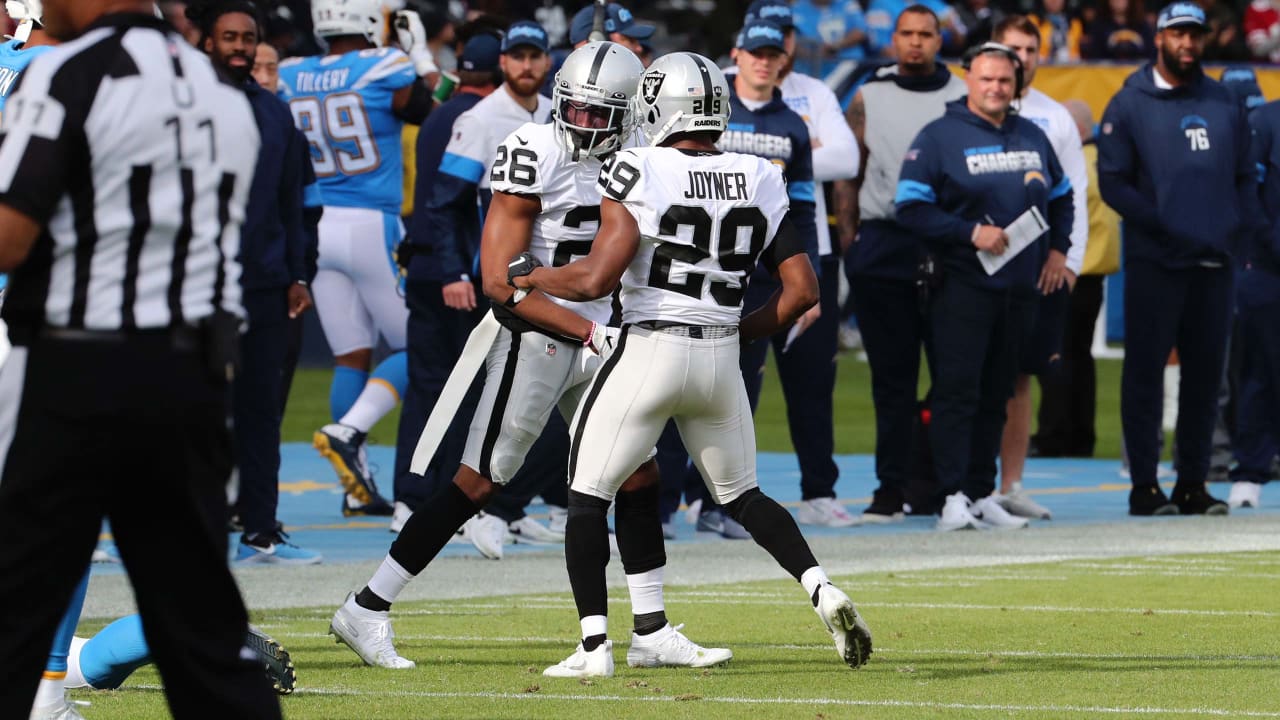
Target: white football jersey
x=532 y=162
x=705 y=219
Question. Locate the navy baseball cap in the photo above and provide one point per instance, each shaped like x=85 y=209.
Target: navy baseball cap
x=1243 y=84
x=775 y=11
x=1179 y=14
x=617 y=20
x=525 y=32
x=480 y=53
x=759 y=33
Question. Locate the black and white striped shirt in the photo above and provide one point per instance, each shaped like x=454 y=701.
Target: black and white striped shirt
x=137 y=159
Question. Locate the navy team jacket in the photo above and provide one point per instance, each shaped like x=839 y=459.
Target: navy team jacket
x=273 y=241
x=962 y=171
x=1175 y=164
x=445 y=227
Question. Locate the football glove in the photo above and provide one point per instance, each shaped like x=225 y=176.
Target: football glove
x=521 y=265
x=411 y=35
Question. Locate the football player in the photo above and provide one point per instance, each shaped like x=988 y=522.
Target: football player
x=546 y=350
x=682 y=225
x=351 y=105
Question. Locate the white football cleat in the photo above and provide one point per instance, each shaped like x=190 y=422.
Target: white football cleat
x=531 y=532
x=581 y=664
x=989 y=511
x=825 y=511
x=669 y=647
x=63 y=709
x=368 y=633
x=957 y=516
x=851 y=634
x=488 y=533
x=1245 y=494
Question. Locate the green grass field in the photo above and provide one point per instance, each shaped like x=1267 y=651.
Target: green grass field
x=1166 y=637
x=854 y=418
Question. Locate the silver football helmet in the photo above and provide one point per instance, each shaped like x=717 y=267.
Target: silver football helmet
x=591 y=99
x=27 y=14
x=682 y=92
x=332 y=18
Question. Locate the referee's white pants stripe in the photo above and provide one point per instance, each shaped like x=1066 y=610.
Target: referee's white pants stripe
x=13 y=375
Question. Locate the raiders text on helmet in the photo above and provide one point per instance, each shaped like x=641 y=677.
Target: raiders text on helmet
x=682 y=92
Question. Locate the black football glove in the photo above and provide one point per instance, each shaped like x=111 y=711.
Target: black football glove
x=521 y=265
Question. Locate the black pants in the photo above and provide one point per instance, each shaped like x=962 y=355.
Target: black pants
x=977 y=337
x=1257 y=433
x=1068 y=400
x=1189 y=309
x=135 y=432
x=893 y=331
x=256 y=407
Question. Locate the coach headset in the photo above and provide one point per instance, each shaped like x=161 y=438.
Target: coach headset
x=996 y=48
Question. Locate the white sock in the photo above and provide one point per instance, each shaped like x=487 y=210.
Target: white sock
x=51 y=690
x=389 y=580
x=812 y=578
x=594 y=625
x=376 y=400
x=646 y=591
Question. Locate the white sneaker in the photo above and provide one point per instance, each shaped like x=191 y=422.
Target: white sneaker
x=852 y=636
x=989 y=511
x=368 y=633
x=669 y=647
x=399 y=517
x=1245 y=495
x=488 y=533
x=825 y=511
x=530 y=531
x=557 y=520
x=1019 y=503
x=63 y=709
x=597 y=663
x=957 y=516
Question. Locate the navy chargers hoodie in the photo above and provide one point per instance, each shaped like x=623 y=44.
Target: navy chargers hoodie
x=962 y=171
x=1175 y=164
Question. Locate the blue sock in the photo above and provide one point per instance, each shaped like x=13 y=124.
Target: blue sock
x=67 y=629
x=394 y=371
x=346 y=387
x=114 y=653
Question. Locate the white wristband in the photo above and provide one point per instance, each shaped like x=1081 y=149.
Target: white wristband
x=423 y=61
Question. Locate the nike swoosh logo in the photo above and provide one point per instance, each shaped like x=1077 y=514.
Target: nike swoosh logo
x=522 y=140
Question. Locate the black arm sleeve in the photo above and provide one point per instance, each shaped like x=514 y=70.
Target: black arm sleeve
x=786 y=243
x=419 y=105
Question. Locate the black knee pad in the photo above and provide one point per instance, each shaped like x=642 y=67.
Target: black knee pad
x=639 y=530
x=738 y=505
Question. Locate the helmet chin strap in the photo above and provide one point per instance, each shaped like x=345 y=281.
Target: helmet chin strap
x=23 y=33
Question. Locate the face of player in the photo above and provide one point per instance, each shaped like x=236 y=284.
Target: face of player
x=1027 y=47
x=233 y=44
x=917 y=41
x=266 y=67
x=629 y=43
x=525 y=68
x=1181 y=48
x=761 y=68
x=990 y=82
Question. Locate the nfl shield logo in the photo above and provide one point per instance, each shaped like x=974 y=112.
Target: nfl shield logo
x=551 y=349
x=650 y=86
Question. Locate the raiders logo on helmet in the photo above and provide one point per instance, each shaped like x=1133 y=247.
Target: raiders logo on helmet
x=651 y=85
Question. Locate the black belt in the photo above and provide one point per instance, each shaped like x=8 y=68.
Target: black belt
x=184 y=338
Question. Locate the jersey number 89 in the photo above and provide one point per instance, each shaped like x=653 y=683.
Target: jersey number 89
x=331 y=126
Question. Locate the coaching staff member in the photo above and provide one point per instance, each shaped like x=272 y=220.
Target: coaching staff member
x=124 y=170
x=1173 y=160
x=966 y=176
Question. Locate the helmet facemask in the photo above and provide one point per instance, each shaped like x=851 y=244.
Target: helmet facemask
x=590 y=125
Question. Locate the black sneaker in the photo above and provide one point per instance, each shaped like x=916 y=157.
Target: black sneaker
x=1150 y=501
x=380 y=507
x=275 y=658
x=886 y=507
x=1196 y=500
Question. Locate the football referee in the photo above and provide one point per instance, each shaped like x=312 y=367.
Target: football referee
x=124 y=169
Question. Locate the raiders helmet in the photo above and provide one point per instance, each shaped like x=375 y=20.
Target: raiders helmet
x=591 y=98
x=333 y=18
x=679 y=93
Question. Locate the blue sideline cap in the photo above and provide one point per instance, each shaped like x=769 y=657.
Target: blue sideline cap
x=759 y=33
x=1242 y=81
x=525 y=32
x=775 y=11
x=481 y=53
x=1179 y=14
x=617 y=20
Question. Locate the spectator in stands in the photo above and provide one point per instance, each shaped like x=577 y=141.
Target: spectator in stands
x=1060 y=32
x=1225 y=42
x=1262 y=30
x=1068 y=402
x=1173 y=160
x=882 y=18
x=1120 y=32
x=833 y=30
x=976 y=19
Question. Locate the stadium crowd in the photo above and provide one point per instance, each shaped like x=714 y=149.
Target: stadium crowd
x=966 y=220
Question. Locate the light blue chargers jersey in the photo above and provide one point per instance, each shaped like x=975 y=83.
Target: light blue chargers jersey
x=342 y=104
x=14 y=60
